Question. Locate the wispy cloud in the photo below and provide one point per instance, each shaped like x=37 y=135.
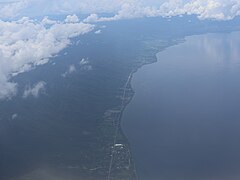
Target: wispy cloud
x=14 y=116
x=85 y=64
x=35 y=91
x=71 y=69
x=98 y=31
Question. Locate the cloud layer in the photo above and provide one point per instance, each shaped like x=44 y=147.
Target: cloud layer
x=204 y=9
x=25 y=44
x=12 y=8
x=213 y=9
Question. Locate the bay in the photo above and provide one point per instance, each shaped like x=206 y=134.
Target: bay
x=183 y=122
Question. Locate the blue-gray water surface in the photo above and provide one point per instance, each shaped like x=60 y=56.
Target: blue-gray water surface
x=184 y=120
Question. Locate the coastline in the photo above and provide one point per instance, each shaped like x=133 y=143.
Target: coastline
x=115 y=114
x=121 y=165
x=150 y=72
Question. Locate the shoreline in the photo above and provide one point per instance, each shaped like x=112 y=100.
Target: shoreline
x=127 y=95
x=120 y=151
x=135 y=106
x=176 y=42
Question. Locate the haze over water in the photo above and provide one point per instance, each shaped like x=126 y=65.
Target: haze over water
x=184 y=120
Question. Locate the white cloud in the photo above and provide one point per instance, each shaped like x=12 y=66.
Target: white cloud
x=87 y=68
x=72 y=19
x=7 y=89
x=83 y=62
x=85 y=65
x=92 y=18
x=71 y=69
x=12 y=8
x=25 y=44
x=14 y=116
x=35 y=91
x=204 y=9
x=216 y=9
x=47 y=21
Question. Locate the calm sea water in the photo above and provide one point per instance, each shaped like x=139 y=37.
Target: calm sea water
x=184 y=121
